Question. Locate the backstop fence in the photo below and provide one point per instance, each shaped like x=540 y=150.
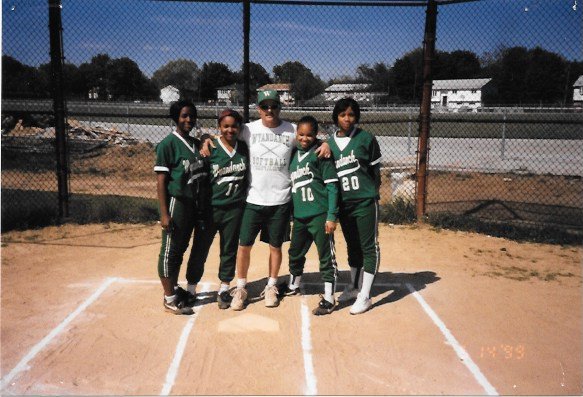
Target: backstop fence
x=481 y=118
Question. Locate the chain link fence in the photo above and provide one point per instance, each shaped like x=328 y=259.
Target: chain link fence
x=505 y=130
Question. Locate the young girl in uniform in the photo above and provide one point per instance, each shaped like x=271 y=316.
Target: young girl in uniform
x=315 y=207
x=357 y=157
x=228 y=172
x=180 y=178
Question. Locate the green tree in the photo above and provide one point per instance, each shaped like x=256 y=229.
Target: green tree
x=376 y=75
x=127 y=82
x=74 y=82
x=258 y=77
x=528 y=76
x=213 y=76
x=305 y=84
x=180 y=73
x=22 y=81
x=406 y=77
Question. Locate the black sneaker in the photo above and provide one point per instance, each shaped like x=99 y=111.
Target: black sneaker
x=183 y=295
x=224 y=299
x=324 y=307
x=177 y=307
x=285 y=290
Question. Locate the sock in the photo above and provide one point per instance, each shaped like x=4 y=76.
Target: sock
x=223 y=288
x=294 y=281
x=367 y=280
x=271 y=281
x=241 y=282
x=328 y=292
x=170 y=299
x=191 y=288
x=356 y=277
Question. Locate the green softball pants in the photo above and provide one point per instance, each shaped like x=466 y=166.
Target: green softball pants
x=359 y=221
x=304 y=232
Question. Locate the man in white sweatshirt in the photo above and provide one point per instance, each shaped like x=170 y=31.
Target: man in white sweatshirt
x=267 y=210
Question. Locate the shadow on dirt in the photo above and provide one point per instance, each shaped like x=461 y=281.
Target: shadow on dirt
x=399 y=285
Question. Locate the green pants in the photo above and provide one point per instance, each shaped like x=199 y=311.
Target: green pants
x=359 y=221
x=175 y=242
x=304 y=232
x=227 y=221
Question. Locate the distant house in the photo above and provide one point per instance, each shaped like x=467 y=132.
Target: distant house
x=230 y=94
x=359 y=92
x=169 y=94
x=459 y=95
x=578 y=92
x=283 y=89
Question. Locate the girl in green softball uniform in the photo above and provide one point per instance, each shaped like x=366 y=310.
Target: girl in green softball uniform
x=357 y=157
x=228 y=167
x=315 y=207
x=180 y=180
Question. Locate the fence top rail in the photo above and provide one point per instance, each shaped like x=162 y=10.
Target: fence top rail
x=337 y=3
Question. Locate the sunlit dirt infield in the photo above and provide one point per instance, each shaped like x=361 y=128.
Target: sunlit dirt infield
x=454 y=313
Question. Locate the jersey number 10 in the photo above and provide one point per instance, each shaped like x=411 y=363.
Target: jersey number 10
x=307 y=194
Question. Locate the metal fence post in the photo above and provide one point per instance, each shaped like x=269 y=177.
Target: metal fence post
x=503 y=144
x=425 y=110
x=246 y=38
x=56 y=45
x=409 y=130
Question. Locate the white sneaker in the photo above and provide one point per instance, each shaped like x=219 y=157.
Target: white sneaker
x=271 y=295
x=349 y=293
x=361 y=304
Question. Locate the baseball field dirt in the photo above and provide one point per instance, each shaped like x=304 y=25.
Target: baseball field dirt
x=454 y=313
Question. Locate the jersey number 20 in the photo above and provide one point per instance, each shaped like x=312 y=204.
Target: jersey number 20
x=350 y=183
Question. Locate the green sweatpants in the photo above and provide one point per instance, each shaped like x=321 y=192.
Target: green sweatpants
x=359 y=221
x=174 y=243
x=304 y=232
x=227 y=221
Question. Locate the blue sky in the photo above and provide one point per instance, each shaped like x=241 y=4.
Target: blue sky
x=331 y=41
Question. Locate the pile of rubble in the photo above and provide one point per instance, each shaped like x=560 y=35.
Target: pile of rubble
x=76 y=131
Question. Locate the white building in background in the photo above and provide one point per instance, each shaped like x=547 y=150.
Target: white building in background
x=283 y=89
x=459 y=95
x=359 y=92
x=578 y=92
x=169 y=94
x=230 y=94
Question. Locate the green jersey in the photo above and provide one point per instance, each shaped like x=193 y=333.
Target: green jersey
x=179 y=157
x=357 y=158
x=314 y=181
x=229 y=173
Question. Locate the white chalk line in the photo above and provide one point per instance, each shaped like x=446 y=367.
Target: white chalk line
x=23 y=363
x=310 y=387
x=180 y=347
x=460 y=351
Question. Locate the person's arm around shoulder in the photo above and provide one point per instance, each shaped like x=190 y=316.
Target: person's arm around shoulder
x=207 y=142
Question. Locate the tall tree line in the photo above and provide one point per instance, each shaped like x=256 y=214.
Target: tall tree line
x=521 y=76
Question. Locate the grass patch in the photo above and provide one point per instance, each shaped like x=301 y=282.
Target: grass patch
x=27 y=209
x=398 y=211
x=517 y=232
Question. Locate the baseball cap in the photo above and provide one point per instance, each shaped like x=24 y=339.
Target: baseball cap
x=267 y=95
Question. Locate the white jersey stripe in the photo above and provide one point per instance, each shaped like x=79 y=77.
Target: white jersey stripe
x=168 y=238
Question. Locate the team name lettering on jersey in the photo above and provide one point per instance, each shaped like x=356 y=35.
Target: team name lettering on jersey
x=271 y=164
x=344 y=161
x=299 y=173
x=230 y=169
x=256 y=138
x=194 y=170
